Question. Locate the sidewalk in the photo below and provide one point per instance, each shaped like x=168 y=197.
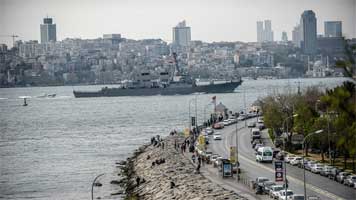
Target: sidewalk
x=211 y=173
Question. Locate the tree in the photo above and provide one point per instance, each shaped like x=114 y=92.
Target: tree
x=342 y=100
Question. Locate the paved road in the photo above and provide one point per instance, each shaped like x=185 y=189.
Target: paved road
x=316 y=185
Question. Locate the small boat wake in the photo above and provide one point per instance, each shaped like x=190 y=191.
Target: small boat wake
x=47 y=95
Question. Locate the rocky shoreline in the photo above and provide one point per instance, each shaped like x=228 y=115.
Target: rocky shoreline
x=163 y=172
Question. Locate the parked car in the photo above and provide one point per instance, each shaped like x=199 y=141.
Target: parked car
x=296 y=160
x=260 y=120
x=334 y=172
x=209 y=131
x=256 y=141
x=217 y=136
x=261 y=126
x=282 y=195
x=274 y=190
x=350 y=180
x=255 y=134
x=226 y=122
x=280 y=155
x=218 y=125
x=241 y=117
x=251 y=124
x=326 y=170
x=261 y=180
x=298 y=197
x=267 y=186
x=317 y=168
x=342 y=176
x=301 y=165
x=233 y=120
x=258 y=146
x=289 y=157
x=309 y=164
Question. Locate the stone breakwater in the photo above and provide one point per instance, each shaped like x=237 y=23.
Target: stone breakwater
x=165 y=173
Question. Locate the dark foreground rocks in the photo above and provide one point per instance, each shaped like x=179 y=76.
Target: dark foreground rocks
x=164 y=173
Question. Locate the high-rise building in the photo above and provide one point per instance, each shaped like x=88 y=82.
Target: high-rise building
x=259 y=31
x=181 y=34
x=297 y=36
x=333 y=29
x=309 y=35
x=284 y=36
x=268 y=31
x=48 y=31
x=264 y=33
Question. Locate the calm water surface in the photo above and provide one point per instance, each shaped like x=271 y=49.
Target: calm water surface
x=54 y=148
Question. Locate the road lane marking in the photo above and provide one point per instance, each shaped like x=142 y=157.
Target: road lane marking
x=309 y=186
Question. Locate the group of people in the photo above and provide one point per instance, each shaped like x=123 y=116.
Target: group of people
x=157 y=141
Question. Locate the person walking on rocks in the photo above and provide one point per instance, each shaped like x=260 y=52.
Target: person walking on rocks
x=198 y=168
x=199 y=160
x=193 y=158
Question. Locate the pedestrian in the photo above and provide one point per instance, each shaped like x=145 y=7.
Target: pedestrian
x=198 y=168
x=137 y=181
x=162 y=145
x=175 y=144
x=199 y=160
x=193 y=158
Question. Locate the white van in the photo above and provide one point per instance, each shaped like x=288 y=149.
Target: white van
x=264 y=154
x=255 y=133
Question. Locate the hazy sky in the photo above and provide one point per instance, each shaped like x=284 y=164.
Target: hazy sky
x=210 y=20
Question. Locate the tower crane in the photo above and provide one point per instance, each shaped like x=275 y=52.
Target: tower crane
x=13 y=37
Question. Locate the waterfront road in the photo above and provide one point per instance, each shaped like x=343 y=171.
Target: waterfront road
x=316 y=185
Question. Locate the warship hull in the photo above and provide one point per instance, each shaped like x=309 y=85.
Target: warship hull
x=227 y=87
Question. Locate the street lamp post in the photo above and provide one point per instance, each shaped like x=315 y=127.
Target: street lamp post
x=92 y=186
x=237 y=151
x=189 y=119
x=196 y=112
x=303 y=146
x=284 y=148
x=205 y=111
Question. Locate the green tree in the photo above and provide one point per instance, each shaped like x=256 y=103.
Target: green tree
x=342 y=101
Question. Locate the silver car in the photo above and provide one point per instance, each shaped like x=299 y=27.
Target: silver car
x=317 y=168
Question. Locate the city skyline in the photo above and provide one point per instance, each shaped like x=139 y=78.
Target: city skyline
x=214 y=21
